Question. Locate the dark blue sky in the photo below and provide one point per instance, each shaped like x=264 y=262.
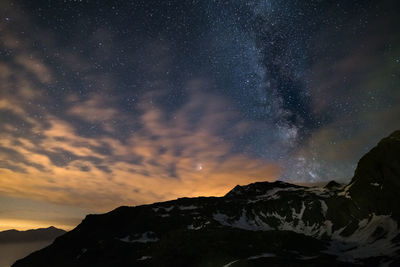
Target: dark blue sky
x=141 y=94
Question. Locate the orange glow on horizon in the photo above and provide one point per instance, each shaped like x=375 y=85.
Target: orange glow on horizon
x=168 y=154
x=22 y=225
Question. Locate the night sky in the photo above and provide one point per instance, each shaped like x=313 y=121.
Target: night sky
x=108 y=103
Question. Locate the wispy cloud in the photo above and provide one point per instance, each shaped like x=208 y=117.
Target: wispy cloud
x=94 y=109
x=159 y=161
x=46 y=154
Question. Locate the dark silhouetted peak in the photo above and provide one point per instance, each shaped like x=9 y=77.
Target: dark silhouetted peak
x=258 y=188
x=238 y=190
x=376 y=181
x=11 y=236
x=332 y=185
x=395 y=135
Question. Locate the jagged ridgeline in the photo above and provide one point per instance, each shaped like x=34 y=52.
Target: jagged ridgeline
x=261 y=224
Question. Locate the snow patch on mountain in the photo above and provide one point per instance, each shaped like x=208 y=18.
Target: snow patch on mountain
x=324 y=207
x=318 y=191
x=264 y=255
x=345 y=193
x=372 y=238
x=166 y=209
x=142 y=238
x=230 y=263
x=191 y=227
x=191 y=207
x=144 y=258
x=299 y=215
x=256 y=224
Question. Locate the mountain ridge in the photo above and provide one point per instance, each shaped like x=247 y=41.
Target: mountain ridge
x=335 y=225
x=39 y=234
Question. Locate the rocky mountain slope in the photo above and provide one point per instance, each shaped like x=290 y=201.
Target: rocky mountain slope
x=261 y=224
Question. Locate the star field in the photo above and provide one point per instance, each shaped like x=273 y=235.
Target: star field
x=106 y=103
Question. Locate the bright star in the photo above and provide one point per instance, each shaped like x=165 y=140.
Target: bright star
x=199 y=167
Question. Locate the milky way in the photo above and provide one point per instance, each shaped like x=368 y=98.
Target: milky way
x=278 y=50
x=104 y=103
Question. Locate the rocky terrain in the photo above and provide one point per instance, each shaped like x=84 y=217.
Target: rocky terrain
x=261 y=224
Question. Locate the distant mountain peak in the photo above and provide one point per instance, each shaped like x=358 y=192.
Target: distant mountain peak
x=395 y=135
x=40 y=234
x=333 y=185
x=258 y=188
